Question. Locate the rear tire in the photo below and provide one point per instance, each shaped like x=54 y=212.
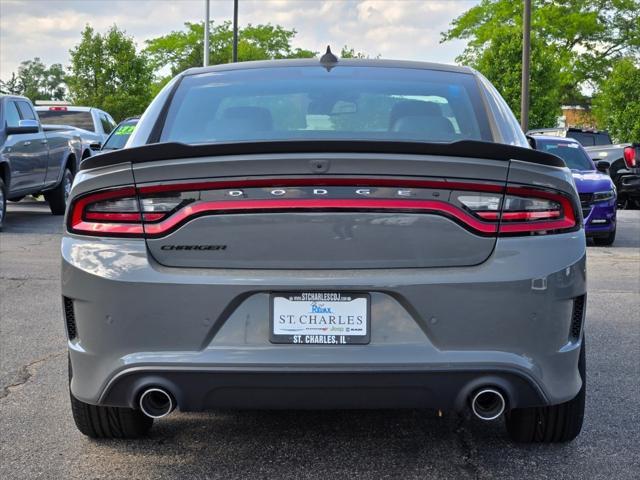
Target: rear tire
x=605 y=241
x=3 y=202
x=556 y=423
x=57 y=197
x=96 y=421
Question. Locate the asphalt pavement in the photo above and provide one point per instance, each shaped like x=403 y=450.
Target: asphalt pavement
x=39 y=440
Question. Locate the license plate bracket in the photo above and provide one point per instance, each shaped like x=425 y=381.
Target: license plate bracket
x=320 y=318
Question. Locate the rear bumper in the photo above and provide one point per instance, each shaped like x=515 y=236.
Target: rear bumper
x=196 y=390
x=437 y=334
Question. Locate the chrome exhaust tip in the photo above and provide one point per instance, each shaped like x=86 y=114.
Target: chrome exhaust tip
x=488 y=404
x=156 y=403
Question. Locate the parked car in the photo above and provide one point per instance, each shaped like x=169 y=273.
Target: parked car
x=326 y=234
x=119 y=136
x=622 y=162
x=33 y=161
x=92 y=124
x=596 y=189
x=586 y=137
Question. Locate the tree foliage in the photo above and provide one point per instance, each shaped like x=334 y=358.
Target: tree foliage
x=107 y=72
x=184 y=49
x=36 y=81
x=496 y=63
x=617 y=104
x=577 y=40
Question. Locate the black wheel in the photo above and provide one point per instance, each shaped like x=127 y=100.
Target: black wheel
x=3 y=202
x=556 y=423
x=57 y=197
x=605 y=241
x=108 y=422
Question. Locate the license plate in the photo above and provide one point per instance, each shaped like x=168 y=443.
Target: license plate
x=320 y=318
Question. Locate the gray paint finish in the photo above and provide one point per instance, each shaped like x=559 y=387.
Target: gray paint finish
x=322 y=240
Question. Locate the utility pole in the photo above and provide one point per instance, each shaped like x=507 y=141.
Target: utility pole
x=235 y=31
x=526 y=61
x=206 y=33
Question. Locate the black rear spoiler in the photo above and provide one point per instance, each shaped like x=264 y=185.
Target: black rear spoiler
x=464 y=148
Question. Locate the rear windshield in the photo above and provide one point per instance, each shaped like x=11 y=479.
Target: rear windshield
x=120 y=135
x=572 y=154
x=60 y=117
x=312 y=103
x=589 y=139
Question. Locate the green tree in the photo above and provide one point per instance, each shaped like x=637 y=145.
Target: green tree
x=36 y=81
x=185 y=48
x=580 y=39
x=617 y=105
x=347 y=52
x=11 y=86
x=107 y=72
x=501 y=64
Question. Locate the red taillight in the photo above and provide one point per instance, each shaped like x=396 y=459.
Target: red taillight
x=523 y=210
x=58 y=109
x=630 y=157
x=484 y=209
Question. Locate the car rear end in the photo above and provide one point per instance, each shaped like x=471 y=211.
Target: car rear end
x=344 y=237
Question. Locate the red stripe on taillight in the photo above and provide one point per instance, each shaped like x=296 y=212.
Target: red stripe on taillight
x=80 y=221
x=514 y=216
x=96 y=222
x=567 y=220
x=414 y=206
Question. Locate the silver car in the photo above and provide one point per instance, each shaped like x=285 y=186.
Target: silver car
x=326 y=234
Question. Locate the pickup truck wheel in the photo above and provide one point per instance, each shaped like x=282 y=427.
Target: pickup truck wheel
x=57 y=197
x=3 y=202
x=552 y=424
x=96 y=421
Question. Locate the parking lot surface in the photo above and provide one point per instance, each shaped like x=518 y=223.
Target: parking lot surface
x=38 y=438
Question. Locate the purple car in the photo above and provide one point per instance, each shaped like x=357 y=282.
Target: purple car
x=597 y=191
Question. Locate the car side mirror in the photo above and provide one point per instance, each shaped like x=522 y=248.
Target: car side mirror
x=602 y=166
x=24 y=126
x=95 y=146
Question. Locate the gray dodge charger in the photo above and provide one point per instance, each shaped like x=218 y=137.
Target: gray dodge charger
x=324 y=234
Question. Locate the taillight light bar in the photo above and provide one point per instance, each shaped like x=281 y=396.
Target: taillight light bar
x=483 y=208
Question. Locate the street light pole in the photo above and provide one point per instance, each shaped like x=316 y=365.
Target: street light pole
x=526 y=60
x=206 y=33
x=235 y=31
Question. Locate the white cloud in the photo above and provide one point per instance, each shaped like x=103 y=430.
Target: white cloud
x=403 y=29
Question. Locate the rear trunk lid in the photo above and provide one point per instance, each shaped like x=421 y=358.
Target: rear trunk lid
x=319 y=210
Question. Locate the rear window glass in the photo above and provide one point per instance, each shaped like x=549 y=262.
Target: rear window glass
x=119 y=136
x=26 y=112
x=572 y=154
x=63 y=117
x=311 y=103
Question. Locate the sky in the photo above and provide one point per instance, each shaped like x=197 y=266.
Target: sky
x=397 y=29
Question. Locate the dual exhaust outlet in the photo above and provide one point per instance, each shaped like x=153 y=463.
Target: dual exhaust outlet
x=156 y=402
x=486 y=404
